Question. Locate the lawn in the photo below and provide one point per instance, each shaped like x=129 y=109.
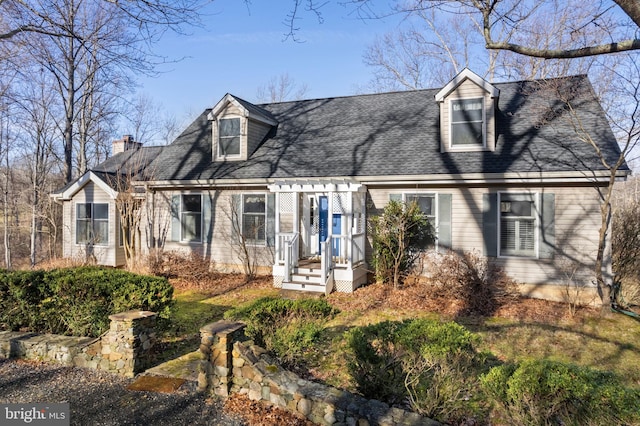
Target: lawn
x=524 y=329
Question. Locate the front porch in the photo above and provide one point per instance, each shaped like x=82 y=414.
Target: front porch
x=320 y=229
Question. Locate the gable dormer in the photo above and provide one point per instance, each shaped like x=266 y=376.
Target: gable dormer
x=238 y=128
x=467 y=113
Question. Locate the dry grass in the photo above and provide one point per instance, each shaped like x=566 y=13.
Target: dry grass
x=517 y=329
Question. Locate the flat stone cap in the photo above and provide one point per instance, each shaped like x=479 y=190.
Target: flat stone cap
x=131 y=315
x=222 y=326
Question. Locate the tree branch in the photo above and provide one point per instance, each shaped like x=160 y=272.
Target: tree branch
x=622 y=46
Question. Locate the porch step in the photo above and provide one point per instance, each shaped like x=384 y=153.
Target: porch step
x=305 y=278
x=310 y=287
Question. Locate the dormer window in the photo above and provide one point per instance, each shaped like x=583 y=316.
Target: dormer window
x=238 y=128
x=467 y=113
x=229 y=137
x=467 y=122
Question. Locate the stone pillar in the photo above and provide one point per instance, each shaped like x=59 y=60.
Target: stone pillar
x=216 y=346
x=127 y=345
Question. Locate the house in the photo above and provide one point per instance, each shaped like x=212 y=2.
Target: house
x=287 y=187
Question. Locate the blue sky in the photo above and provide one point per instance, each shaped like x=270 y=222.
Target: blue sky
x=241 y=48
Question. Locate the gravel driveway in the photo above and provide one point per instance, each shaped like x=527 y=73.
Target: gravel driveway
x=100 y=398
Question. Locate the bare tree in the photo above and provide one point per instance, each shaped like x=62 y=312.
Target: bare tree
x=430 y=47
x=149 y=16
x=36 y=121
x=423 y=53
x=507 y=24
x=130 y=200
x=280 y=89
x=148 y=123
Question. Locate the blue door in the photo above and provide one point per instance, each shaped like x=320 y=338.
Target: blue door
x=323 y=220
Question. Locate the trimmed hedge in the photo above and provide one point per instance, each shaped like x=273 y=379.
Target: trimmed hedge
x=77 y=301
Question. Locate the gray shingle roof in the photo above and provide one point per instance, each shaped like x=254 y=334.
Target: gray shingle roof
x=399 y=134
x=117 y=170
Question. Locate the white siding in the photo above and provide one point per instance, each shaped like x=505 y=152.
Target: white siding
x=221 y=250
x=104 y=255
x=577 y=221
x=468 y=89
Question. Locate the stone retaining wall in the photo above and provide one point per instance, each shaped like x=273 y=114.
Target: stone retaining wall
x=124 y=349
x=233 y=365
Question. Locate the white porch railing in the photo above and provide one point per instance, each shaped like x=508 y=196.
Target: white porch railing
x=289 y=247
x=345 y=254
x=326 y=265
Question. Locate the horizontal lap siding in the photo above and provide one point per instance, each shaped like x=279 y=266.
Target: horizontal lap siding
x=105 y=255
x=468 y=89
x=221 y=250
x=68 y=219
x=577 y=222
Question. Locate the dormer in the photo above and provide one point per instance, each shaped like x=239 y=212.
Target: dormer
x=467 y=113
x=238 y=128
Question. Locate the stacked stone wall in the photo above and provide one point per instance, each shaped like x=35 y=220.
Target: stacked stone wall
x=231 y=364
x=125 y=349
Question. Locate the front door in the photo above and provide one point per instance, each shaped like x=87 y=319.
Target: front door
x=323 y=223
x=316 y=223
x=311 y=219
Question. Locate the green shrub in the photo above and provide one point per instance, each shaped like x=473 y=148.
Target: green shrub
x=542 y=392
x=286 y=327
x=427 y=362
x=398 y=236
x=77 y=301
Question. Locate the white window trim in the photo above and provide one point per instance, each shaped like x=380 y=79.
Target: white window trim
x=436 y=208
x=467 y=148
x=221 y=156
x=537 y=200
x=105 y=244
x=254 y=243
x=182 y=239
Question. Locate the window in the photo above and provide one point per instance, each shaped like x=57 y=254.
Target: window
x=92 y=223
x=426 y=203
x=191 y=217
x=467 y=122
x=517 y=225
x=254 y=213
x=228 y=137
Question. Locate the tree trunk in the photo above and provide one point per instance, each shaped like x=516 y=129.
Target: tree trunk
x=69 y=103
x=34 y=228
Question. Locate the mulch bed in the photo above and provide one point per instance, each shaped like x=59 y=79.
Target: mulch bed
x=416 y=296
x=257 y=413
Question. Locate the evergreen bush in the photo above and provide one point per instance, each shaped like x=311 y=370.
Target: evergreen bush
x=543 y=392
x=77 y=301
x=430 y=364
x=285 y=327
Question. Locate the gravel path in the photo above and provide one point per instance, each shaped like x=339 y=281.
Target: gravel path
x=100 y=398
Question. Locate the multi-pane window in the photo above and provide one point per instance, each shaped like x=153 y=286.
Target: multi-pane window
x=467 y=122
x=426 y=204
x=517 y=225
x=191 y=217
x=254 y=213
x=92 y=223
x=228 y=137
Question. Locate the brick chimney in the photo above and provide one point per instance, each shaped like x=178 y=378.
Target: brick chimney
x=125 y=144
